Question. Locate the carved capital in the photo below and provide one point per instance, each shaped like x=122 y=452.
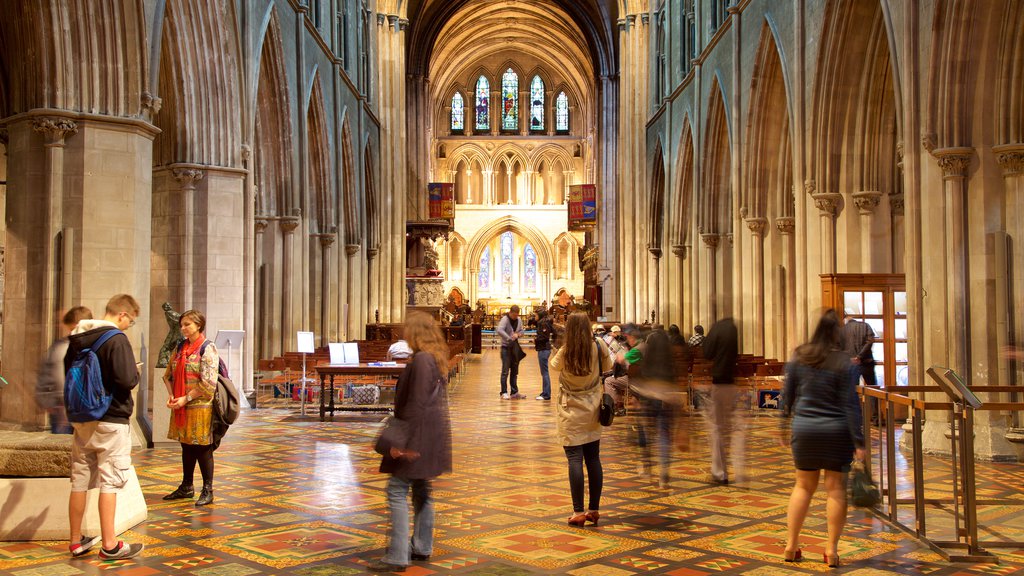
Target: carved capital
x=654 y=250
x=326 y=240
x=372 y=253
x=757 y=225
x=403 y=23
x=679 y=250
x=896 y=204
x=810 y=187
x=954 y=161
x=351 y=249
x=828 y=202
x=709 y=240
x=393 y=21
x=785 y=225
x=867 y=201
x=381 y=19
x=187 y=177
x=1010 y=158
x=54 y=130
x=289 y=224
x=621 y=22
x=152 y=103
x=645 y=18
x=261 y=224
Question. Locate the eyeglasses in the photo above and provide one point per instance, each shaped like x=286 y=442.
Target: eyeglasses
x=131 y=321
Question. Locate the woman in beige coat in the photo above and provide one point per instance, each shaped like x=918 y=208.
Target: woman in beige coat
x=580 y=362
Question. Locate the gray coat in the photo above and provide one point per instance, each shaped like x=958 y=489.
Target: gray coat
x=421 y=400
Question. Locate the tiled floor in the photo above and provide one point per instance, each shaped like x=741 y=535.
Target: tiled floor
x=298 y=496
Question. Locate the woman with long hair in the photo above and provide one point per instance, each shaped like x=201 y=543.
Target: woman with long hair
x=421 y=402
x=580 y=362
x=820 y=394
x=191 y=379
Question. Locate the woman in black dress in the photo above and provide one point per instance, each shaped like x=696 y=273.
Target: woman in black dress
x=820 y=394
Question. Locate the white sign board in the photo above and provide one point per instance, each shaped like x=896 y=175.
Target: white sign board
x=305 y=342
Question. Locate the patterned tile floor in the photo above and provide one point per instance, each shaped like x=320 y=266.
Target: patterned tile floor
x=296 y=496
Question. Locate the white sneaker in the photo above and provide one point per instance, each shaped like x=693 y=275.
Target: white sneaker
x=505 y=396
x=541 y=398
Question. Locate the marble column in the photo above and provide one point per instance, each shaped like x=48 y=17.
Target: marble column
x=54 y=131
x=711 y=306
x=326 y=241
x=786 y=317
x=288 y=226
x=866 y=203
x=187 y=178
x=954 y=163
x=828 y=204
x=757 y=231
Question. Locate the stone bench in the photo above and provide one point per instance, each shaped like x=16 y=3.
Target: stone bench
x=35 y=468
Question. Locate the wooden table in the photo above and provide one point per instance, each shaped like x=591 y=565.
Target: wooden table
x=327 y=373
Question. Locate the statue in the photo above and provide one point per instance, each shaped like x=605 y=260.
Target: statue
x=173 y=336
x=430 y=257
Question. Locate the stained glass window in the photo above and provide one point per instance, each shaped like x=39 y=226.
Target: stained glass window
x=537 y=104
x=484 y=280
x=510 y=101
x=562 y=113
x=530 y=264
x=483 y=89
x=458 y=113
x=506 y=258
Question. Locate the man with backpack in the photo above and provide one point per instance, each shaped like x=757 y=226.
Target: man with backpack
x=101 y=450
x=510 y=328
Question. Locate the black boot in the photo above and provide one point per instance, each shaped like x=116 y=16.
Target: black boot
x=181 y=493
x=206 y=496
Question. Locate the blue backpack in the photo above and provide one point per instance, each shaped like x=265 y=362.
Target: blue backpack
x=86 y=399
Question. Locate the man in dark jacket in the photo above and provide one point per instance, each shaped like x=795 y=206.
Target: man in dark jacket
x=101 y=453
x=545 y=331
x=727 y=421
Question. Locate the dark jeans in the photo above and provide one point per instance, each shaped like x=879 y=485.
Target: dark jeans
x=655 y=420
x=190 y=454
x=591 y=453
x=509 y=368
x=545 y=377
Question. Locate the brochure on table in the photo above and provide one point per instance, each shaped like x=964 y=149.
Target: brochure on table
x=344 y=353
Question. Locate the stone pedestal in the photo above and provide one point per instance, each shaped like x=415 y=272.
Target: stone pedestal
x=425 y=291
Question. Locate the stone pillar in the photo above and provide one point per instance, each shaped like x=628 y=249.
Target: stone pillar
x=1011 y=160
x=262 y=335
x=954 y=163
x=187 y=178
x=488 y=197
x=899 y=241
x=472 y=285
x=288 y=226
x=655 y=301
x=351 y=320
x=828 y=203
x=757 y=228
x=786 y=316
x=866 y=203
x=54 y=131
x=711 y=307
x=683 y=293
x=326 y=241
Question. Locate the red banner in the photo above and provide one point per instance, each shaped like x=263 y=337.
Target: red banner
x=582 y=207
x=441 y=200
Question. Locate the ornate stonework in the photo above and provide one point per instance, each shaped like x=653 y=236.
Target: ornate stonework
x=867 y=201
x=261 y=225
x=810 y=187
x=289 y=224
x=351 y=249
x=679 y=250
x=55 y=130
x=828 y=202
x=785 y=225
x=326 y=240
x=425 y=291
x=954 y=161
x=896 y=204
x=709 y=240
x=757 y=225
x=151 y=103
x=654 y=250
x=1010 y=158
x=899 y=155
x=188 y=177
x=929 y=141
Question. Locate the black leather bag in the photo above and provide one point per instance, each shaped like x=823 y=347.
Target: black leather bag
x=864 y=492
x=517 y=351
x=395 y=434
x=606 y=412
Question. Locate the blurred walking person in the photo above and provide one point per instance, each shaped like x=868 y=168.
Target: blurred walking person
x=728 y=421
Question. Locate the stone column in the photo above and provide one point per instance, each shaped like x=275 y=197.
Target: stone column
x=187 y=178
x=288 y=226
x=351 y=320
x=786 y=317
x=1011 y=160
x=710 y=242
x=828 y=203
x=757 y=228
x=866 y=203
x=529 y=191
x=54 y=131
x=898 y=233
x=954 y=163
x=472 y=285
x=326 y=241
x=262 y=336
x=488 y=197
x=656 y=300
x=679 y=251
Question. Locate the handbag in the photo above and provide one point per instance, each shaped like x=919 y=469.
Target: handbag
x=395 y=434
x=517 y=351
x=864 y=492
x=606 y=413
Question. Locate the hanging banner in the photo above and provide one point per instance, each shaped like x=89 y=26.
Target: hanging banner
x=441 y=200
x=582 y=207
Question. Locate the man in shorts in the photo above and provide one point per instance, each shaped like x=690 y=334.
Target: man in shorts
x=101 y=453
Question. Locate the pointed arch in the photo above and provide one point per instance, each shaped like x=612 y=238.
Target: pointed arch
x=715 y=208
x=656 y=199
x=456 y=255
x=565 y=255
x=510 y=100
x=537 y=103
x=528 y=231
x=273 y=130
x=457 y=113
x=370 y=182
x=767 y=131
x=482 y=99
x=682 y=204
x=349 y=202
x=319 y=162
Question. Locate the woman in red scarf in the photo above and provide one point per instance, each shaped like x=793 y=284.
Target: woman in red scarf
x=191 y=378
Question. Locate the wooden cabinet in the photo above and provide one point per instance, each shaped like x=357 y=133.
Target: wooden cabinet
x=880 y=300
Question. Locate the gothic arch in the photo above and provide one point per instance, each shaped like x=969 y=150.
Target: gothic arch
x=1010 y=83
x=531 y=233
x=349 y=202
x=456 y=255
x=681 y=206
x=320 y=182
x=547 y=152
x=715 y=208
x=273 y=129
x=199 y=80
x=369 y=180
x=565 y=253
x=767 y=131
x=656 y=199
